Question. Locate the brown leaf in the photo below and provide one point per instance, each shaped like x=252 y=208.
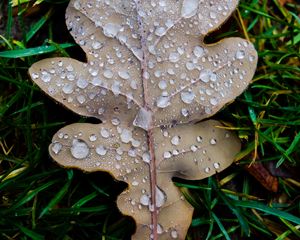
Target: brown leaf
x=149 y=77
x=262 y=175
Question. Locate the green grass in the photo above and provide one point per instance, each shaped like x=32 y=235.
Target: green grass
x=40 y=200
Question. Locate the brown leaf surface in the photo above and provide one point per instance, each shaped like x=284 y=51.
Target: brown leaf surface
x=149 y=77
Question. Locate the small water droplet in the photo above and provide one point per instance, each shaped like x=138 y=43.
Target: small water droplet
x=126 y=136
x=79 y=149
x=199 y=139
x=185 y=112
x=56 y=147
x=124 y=74
x=189 y=8
x=194 y=148
x=101 y=150
x=174 y=57
x=135 y=183
x=46 y=77
x=104 y=133
x=145 y=200
x=167 y=155
x=146 y=157
x=198 y=51
x=108 y=73
x=213 y=101
x=207 y=170
x=187 y=97
x=162 y=84
x=175 y=140
x=240 y=54
x=216 y=165
x=93 y=137
x=111 y=29
x=213 y=141
x=159 y=229
x=163 y=101
x=174 y=234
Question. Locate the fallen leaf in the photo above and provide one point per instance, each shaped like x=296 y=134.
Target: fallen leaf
x=149 y=78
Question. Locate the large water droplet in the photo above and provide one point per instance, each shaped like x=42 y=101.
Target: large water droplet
x=143 y=119
x=198 y=51
x=111 y=29
x=189 y=8
x=104 y=133
x=126 y=136
x=187 y=97
x=163 y=101
x=124 y=74
x=56 y=147
x=46 y=77
x=79 y=149
x=160 y=197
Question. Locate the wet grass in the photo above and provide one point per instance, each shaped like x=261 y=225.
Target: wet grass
x=40 y=200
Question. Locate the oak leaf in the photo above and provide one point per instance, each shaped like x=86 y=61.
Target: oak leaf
x=150 y=79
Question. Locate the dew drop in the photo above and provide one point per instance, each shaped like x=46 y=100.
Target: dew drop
x=160 y=197
x=174 y=234
x=160 y=31
x=101 y=150
x=124 y=74
x=68 y=88
x=115 y=121
x=159 y=229
x=174 y=57
x=46 y=77
x=189 y=8
x=108 y=73
x=162 y=84
x=163 y=102
x=104 y=133
x=111 y=29
x=198 y=51
x=79 y=149
x=145 y=200
x=167 y=155
x=194 y=148
x=93 y=137
x=175 y=140
x=126 y=136
x=216 y=165
x=96 y=45
x=207 y=170
x=82 y=83
x=56 y=147
x=146 y=157
x=184 y=112
x=213 y=141
x=213 y=101
x=240 y=54
x=187 y=97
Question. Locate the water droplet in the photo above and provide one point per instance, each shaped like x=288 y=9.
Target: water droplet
x=189 y=8
x=126 y=136
x=213 y=15
x=115 y=121
x=216 y=165
x=82 y=83
x=198 y=51
x=194 y=148
x=174 y=57
x=34 y=76
x=160 y=31
x=213 y=141
x=135 y=183
x=185 y=112
x=46 y=77
x=187 y=97
x=146 y=157
x=207 y=170
x=68 y=88
x=167 y=155
x=206 y=75
x=175 y=140
x=143 y=119
x=159 y=229
x=124 y=74
x=199 y=139
x=96 y=45
x=93 y=137
x=101 y=111
x=240 y=54
x=174 y=234
x=213 y=101
x=56 y=147
x=145 y=200
x=162 y=84
x=163 y=102
x=160 y=197
x=79 y=149
x=104 y=133
x=111 y=29
x=101 y=150
x=108 y=73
